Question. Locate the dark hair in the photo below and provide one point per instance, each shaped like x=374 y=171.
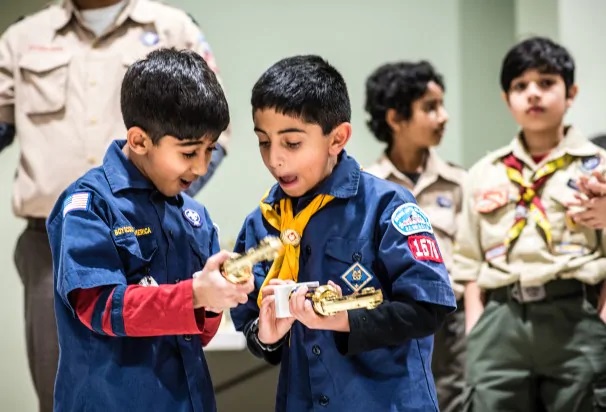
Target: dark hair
x=538 y=53
x=306 y=87
x=599 y=140
x=174 y=93
x=396 y=86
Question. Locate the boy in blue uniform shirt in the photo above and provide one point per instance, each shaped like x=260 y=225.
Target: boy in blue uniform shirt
x=125 y=243
x=347 y=228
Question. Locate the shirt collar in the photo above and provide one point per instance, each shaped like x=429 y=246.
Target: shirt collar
x=120 y=172
x=573 y=143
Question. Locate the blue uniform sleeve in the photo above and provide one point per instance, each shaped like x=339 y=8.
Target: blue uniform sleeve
x=7 y=135
x=249 y=236
x=84 y=254
x=421 y=296
x=215 y=160
x=409 y=252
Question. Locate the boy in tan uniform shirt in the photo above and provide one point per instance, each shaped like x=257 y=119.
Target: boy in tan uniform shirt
x=60 y=75
x=405 y=102
x=533 y=277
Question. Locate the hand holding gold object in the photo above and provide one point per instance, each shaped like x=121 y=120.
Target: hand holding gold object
x=327 y=301
x=239 y=268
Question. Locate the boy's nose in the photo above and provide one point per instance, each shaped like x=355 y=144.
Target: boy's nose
x=533 y=90
x=443 y=115
x=275 y=159
x=200 y=167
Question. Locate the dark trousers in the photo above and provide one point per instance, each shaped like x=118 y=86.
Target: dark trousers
x=448 y=361
x=35 y=267
x=547 y=355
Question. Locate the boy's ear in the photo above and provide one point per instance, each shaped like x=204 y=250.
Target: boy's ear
x=505 y=97
x=573 y=90
x=339 y=138
x=138 y=141
x=393 y=120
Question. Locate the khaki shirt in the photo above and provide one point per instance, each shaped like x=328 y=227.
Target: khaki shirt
x=439 y=193
x=488 y=213
x=60 y=86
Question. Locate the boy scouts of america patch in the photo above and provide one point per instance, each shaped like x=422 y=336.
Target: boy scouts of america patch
x=192 y=217
x=356 y=277
x=409 y=219
x=76 y=201
x=590 y=163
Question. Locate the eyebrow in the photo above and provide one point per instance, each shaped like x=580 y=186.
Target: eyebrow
x=283 y=131
x=187 y=143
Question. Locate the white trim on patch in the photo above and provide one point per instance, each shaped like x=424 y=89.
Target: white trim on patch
x=409 y=219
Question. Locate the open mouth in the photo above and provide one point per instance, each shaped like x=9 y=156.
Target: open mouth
x=185 y=184
x=287 y=180
x=535 y=110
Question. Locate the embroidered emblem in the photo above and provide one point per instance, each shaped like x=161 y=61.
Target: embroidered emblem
x=290 y=237
x=424 y=248
x=409 y=219
x=445 y=202
x=356 y=277
x=491 y=199
x=192 y=217
x=590 y=163
x=149 y=38
x=76 y=201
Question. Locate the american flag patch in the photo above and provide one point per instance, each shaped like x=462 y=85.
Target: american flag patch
x=77 y=201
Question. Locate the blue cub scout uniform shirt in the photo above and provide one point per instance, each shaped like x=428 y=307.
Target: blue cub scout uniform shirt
x=372 y=222
x=113 y=228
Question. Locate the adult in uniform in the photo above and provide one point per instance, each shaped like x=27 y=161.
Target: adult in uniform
x=60 y=75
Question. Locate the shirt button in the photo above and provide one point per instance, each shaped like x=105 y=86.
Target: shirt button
x=93 y=83
x=324 y=400
x=177 y=280
x=170 y=232
x=187 y=338
x=357 y=257
x=308 y=249
x=91 y=160
x=316 y=350
x=93 y=121
x=147 y=270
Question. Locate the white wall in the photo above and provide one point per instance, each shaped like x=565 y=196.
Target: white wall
x=355 y=36
x=465 y=39
x=582 y=31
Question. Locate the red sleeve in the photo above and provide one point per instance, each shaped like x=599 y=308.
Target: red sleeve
x=211 y=325
x=139 y=311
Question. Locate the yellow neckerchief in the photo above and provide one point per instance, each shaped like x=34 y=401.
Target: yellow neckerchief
x=286 y=266
x=530 y=203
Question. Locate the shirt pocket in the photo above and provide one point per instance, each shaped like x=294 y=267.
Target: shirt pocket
x=496 y=207
x=44 y=82
x=136 y=253
x=341 y=254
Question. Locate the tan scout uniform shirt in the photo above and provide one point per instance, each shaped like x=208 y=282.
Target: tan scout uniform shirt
x=60 y=86
x=439 y=193
x=488 y=213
